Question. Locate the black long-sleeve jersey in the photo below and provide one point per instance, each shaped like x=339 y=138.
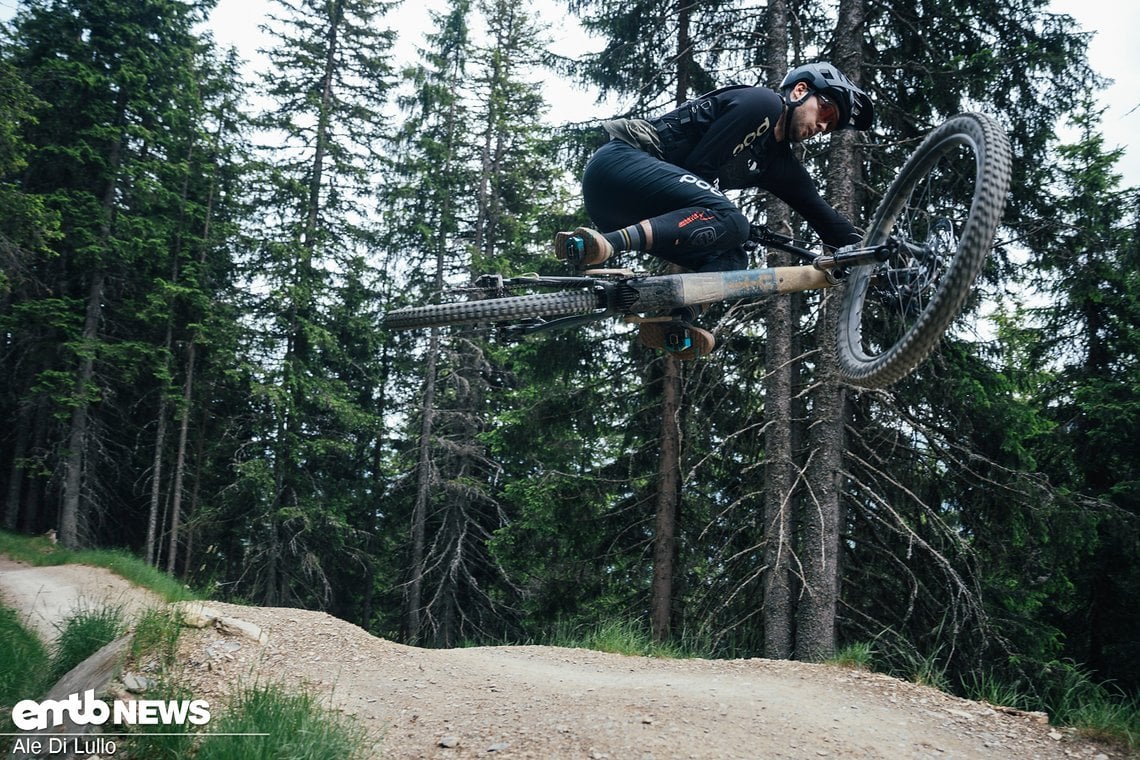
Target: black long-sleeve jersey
x=728 y=136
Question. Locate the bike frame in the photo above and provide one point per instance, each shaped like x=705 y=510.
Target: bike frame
x=624 y=292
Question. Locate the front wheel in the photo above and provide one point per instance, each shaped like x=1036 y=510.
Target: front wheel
x=943 y=209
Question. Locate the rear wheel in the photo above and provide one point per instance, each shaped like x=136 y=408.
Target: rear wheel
x=490 y=310
x=944 y=209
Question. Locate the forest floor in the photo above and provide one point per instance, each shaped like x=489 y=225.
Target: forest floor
x=548 y=702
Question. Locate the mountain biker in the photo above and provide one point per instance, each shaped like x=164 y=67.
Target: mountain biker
x=657 y=185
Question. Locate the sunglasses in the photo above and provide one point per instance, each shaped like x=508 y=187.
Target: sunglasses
x=828 y=111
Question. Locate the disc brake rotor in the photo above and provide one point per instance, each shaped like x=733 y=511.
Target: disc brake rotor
x=903 y=286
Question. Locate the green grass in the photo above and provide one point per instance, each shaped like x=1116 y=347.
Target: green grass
x=623 y=636
x=28 y=668
x=83 y=634
x=858 y=655
x=23 y=662
x=989 y=688
x=271 y=722
x=40 y=552
x=1100 y=711
x=1067 y=693
x=279 y=724
x=156 y=635
x=294 y=725
x=1109 y=717
x=262 y=723
x=160 y=742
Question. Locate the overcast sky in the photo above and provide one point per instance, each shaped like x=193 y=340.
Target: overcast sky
x=1113 y=52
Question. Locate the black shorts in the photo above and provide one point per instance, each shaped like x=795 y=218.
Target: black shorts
x=694 y=224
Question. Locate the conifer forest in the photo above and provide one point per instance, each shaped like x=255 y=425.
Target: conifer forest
x=195 y=256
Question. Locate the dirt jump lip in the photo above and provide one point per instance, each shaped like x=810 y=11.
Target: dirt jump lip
x=551 y=702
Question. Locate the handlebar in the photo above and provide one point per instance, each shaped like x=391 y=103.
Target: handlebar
x=760 y=235
x=851 y=255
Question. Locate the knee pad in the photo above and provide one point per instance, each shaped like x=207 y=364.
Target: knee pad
x=738 y=228
x=701 y=229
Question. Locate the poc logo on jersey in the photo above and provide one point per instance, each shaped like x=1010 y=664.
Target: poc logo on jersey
x=753 y=136
x=689 y=179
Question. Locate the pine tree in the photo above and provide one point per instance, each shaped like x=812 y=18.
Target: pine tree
x=113 y=80
x=427 y=184
x=782 y=316
x=483 y=143
x=329 y=77
x=661 y=53
x=908 y=451
x=196 y=303
x=26 y=231
x=1087 y=336
x=821 y=513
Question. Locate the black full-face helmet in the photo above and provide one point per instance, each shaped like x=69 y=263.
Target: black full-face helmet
x=855 y=108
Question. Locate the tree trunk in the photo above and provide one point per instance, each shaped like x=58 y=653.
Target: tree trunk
x=425 y=477
x=70 y=517
x=821 y=508
x=187 y=396
x=780 y=468
x=779 y=478
x=668 y=498
x=195 y=498
x=30 y=517
x=156 y=465
x=823 y=511
x=16 y=471
x=180 y=462
x=273 y=558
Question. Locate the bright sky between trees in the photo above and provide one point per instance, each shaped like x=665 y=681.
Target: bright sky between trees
x=1113 y=53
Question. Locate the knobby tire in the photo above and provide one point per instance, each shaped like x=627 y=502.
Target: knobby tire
x=871 y=354
x=491 y=310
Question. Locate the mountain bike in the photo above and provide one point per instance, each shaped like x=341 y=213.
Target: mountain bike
x=903 y=285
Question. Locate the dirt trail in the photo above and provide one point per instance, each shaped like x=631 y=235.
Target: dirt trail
x=548 y=702
x=46 y=596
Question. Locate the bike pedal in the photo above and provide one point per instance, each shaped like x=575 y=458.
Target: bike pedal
x=677 y=339
x=575 y=250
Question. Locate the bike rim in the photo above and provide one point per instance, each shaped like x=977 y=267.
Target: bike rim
x=932 y=215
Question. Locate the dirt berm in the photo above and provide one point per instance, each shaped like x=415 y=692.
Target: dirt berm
x=548 y=702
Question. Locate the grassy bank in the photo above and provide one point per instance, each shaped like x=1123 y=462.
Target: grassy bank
x=272 y=722
x=41 y=552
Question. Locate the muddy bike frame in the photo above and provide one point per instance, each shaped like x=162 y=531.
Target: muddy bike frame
x=624 y=292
